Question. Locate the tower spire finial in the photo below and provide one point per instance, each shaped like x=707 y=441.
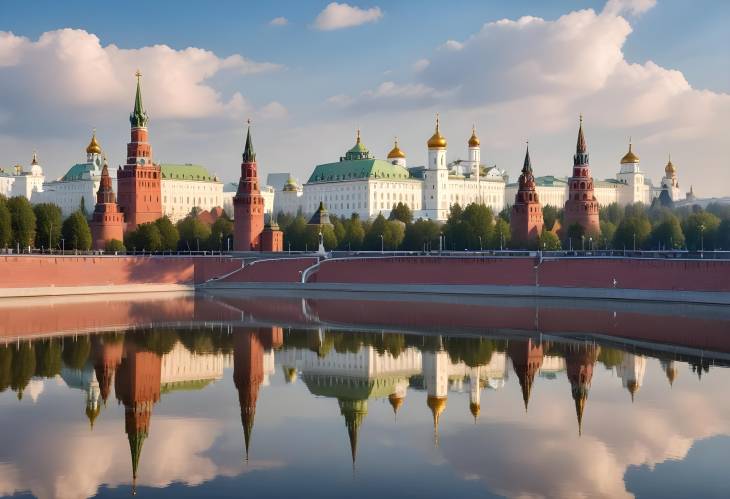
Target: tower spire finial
x=249 y=156
x=358 y=136
x=138 y=118
x=437 y=122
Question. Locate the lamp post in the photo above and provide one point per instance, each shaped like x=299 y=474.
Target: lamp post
x=702 y=240
x=583 y=243
x=50 y=238
x=63 y=246
x=481 y=248
x=382 y=244
x=441 y=242
x=590 y=243
x=634 y=241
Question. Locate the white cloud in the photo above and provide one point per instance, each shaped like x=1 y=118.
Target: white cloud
x=341 y=15
x=453 y=45
x=420 y=65
x=279 y=21
x=634 y=7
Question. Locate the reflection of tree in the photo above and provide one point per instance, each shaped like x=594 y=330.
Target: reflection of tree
x=76 y=351
x=6 y=367
x=611 y=357
x=394 y=344
x=48 y=357
x=197 y=341
x=23 y=367
x=348 y=342
x=159 y=341
x=472 y=351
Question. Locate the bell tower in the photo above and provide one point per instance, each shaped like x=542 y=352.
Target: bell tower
x=526 y=221
x=248 y=203
x=139 y=180
x=581 y=207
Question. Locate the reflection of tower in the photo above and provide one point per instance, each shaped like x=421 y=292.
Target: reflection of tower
x=92 y=400
x=248 y=371
x=107 y=355
x=670 y=370
x=526 y=361
x=631 y=371
x=137 y=385
x=579 y=360
x=435 y=375
x=398 y=396
x=475 y=391
x=354 y=412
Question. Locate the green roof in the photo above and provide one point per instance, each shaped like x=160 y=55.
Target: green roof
x=357 y=169
x=187 y=171
x=76 y=172
x=348 y=388
x=176 y=386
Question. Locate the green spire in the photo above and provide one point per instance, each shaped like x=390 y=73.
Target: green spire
x=527 y=166
x=136 y=439
x=138 y=118
x=249 y=156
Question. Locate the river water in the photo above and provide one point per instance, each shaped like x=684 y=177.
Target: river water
x=361 y=396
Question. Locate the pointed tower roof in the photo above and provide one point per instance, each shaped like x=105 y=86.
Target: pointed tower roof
x=474 y=140
x=580 y=396
x=437 y=141
x=581 y=147
x=629 y=157
x=247 y=418
x=475 y=410
x=321 y=216
x=138 y=118
x=34 y=161
x=249 y=156
x=136 y=439
x=354 y=412
x=527 y=165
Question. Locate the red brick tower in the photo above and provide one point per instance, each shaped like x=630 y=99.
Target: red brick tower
x=107 y=222
x=526 y=361
x=107 y=354
x=581 y=207
x=248 y=374
x=526 y=221
x=248 y=203
x=137 y=385
x=139 y=181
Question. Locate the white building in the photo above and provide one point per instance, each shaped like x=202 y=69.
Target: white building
x=187 y=186
x=631 y=371
x=360 y=183
x=26 y=183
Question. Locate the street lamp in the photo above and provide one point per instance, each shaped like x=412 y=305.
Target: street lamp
x=590 y=243
x=63 y=246
x=382 y=244
x=702 y=239
x=583 y=243
x=634 y=241
x=441 y=242
x=480 y=244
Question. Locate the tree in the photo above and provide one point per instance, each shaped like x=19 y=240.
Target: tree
x=574 y=236
x=632 y=233
x=295 y=233
x=608 y=230
x=48 y=357
x=82 y=207
x=193 y=233
x=422 y=234
x=22 y=220
x=220 y=231
x=668 y=234
x=611 y=213
x=401 y=212
x=479 y=220
x=339 y=229
x=114 y=246
x=501 y=235
x=6 y=224
x=375 y=231
x=394 y=234
x=168 y=233
x=147 y=237
x=549 y=216
x=354 y=233
x=548 y=241
x=76 y=232
x=311 y=237
x=76 y=351
x=722 y=239
x=48 y=222
x=699 y=230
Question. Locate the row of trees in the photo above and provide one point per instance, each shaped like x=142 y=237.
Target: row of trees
x=23 y=225
x=189 y=234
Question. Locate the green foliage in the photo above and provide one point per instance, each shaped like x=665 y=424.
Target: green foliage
x=48 y=358
x=311 y=237
x=146 y=237
x=470 y=228
x=401 y=212
x=159 y=341
x=610 y=357
x=6 y=225
x=114 y=246
x=549 y=216
x=699 y=230
x=76 y=351
x=295 y=234
x=501 y=236
x=48 y=222
x=76 y=232
x=23 y=367
x=22 y=221
x=608 y=231
x=422 y=234
x=548 y=241
x=721 y=211
x=506 y=213
x=612 y=213
x=667 y=234
x=339 y=230
x=168 y=233
x=722 y=239
x=392 y=232
x=632 y=229
x=6 y=367
x=220 y=231
x=193 y=234
x=472 y=351
x=82 y=207
x=574 y=236
x=354 y=233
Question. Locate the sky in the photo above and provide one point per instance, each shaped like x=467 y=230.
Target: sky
x=308 y=74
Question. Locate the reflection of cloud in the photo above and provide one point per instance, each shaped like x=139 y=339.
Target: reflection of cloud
x=175 y=451
x=545 y=458
x=34 y=389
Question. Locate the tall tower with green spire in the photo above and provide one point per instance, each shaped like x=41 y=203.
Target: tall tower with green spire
x=139 y=181
x=248 y=203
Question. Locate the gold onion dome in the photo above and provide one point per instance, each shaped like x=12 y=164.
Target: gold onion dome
x=396 y=152
x=291 y=185
x=475 y=409
x=437 y=141
x=629 y=157
x=93 y=147
x=669 y=169
x=474 y=140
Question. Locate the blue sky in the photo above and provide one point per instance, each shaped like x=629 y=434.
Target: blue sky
x=316 y=86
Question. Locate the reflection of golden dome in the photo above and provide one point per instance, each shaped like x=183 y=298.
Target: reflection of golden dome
x=437 y=141
x=669 y=169
x=475 y=410
x=92 y=413
x=633 y=387
x=395 y=401
x=630 y=157
x=437 y=406
x=396 y=153
x=93 y=147
x=474 y=140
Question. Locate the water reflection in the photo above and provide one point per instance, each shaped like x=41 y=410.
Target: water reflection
x=430 y=374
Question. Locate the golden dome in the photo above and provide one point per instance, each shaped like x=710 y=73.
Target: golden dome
x=396 y=153
x=93 y=147
x=669 y=169
x=475 y=409
x=291 y=185
x=437 y=141
x=473 y=140
x=629 y=157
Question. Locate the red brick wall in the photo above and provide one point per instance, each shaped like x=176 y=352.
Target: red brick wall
x=283 y=270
